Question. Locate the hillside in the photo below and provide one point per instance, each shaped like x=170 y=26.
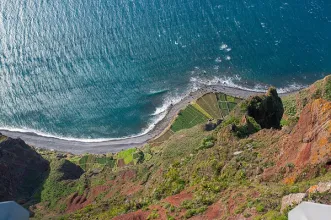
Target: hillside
x=265 y=155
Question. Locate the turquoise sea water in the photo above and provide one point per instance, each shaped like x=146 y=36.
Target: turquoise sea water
x=109 y=68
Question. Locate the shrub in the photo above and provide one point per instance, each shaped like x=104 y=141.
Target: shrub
x=153 y=215
x=260 y=207
x=207 y=142
x=328 y=89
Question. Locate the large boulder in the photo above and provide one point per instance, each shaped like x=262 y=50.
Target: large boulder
x=267 y=110
x=22 y=170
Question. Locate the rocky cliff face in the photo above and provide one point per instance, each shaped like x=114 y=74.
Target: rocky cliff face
x=308 y=146
x=21 y=170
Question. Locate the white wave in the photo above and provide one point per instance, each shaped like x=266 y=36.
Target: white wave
x=231 y=82
x=291 y=88
x=228 y=58
x=226 y=81
x=158 y=115
x=166 y=104
x=218 y=60
x=150 y=127
x=48 y=135
x=223 y=46
x=86 y=140
x=228 y=49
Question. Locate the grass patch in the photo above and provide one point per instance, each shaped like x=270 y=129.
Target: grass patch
x=126 y=155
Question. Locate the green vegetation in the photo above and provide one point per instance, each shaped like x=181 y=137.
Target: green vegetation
x=289 y=104
x=126 y=155
x=53 y=189
x=328 y=88
x=250 y=127
x=207 y=142
x=234 y=171
x=90 y=161
x=153 y=215
x=227 y=103
x=195 y=105
x=209 y=106
x=172 y=184
x=188 y=118
x=208 y=102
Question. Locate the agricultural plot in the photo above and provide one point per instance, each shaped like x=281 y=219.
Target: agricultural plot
x=195 y=105
x=209 y=103
x=226 y=103
x=126 y=155
x=92 y=161
x=188 y=118
x=209 y=106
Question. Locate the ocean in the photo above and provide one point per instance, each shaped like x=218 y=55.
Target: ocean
x=103 y=69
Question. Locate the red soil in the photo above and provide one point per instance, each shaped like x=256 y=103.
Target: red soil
x=177 y=199
x=131 y=189
x=76 y=202
x=309 y=142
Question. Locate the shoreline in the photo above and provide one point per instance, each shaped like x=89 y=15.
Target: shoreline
x=116 y=145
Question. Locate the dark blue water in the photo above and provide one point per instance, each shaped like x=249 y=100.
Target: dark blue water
x=107 y=69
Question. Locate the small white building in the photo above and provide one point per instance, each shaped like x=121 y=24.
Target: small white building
x=12 y=211
x=310 y=211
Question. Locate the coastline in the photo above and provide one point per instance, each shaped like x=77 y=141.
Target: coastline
x=116 y=145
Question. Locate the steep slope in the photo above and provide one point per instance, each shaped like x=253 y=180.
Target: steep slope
x=240 y=170
x=309 y=143
x=22 y=169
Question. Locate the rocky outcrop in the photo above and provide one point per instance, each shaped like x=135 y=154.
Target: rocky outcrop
x=292 y=199
x=320 y=188
x=267 y=110
x=22 y=170
x=70 y=171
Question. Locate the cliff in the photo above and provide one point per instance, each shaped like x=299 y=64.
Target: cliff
x=22 y=170
x=267 y=154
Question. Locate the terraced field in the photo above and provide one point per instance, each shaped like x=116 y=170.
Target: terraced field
x=188 y=118
x=209 y=106
x=92 y=161
x=209 y=103
x=226 y=103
